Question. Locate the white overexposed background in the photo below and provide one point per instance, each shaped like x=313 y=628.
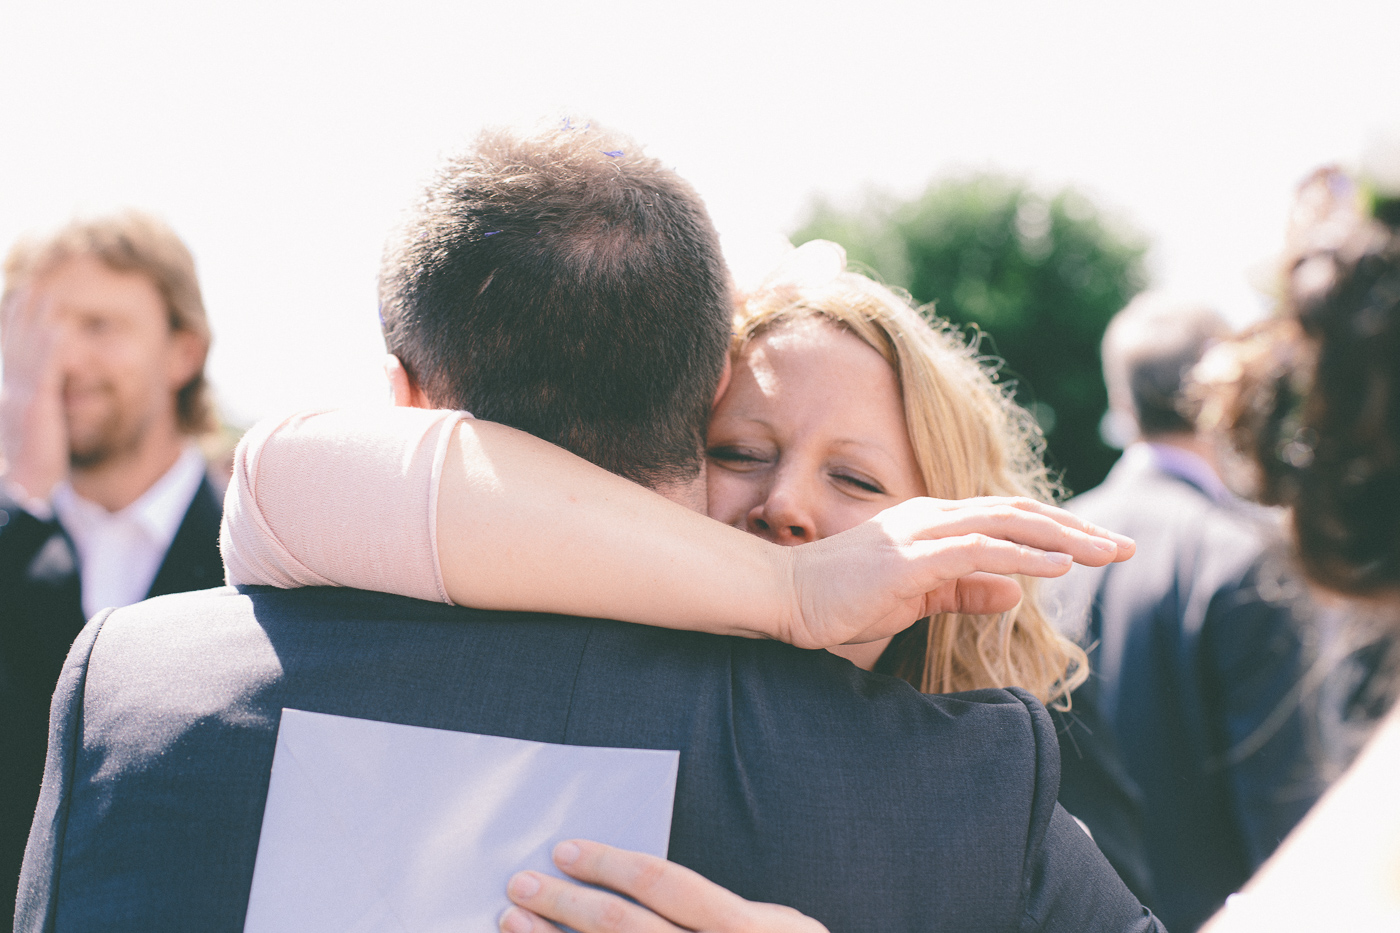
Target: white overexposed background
x=282 y=139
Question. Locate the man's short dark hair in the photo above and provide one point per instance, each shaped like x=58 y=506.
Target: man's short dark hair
x=1148 y=352
x=569 y=286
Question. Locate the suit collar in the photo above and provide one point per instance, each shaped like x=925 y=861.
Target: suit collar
x=193 y=561
x=157 y=513
x=1141 y=459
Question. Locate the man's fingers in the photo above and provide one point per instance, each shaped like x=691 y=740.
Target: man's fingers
x=31 y=335
x=670 y=898
x=520 y=920
x=586 y=910
x=23 y=311
x=681 y=895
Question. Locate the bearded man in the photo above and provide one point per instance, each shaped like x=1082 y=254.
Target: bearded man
x=104 y=498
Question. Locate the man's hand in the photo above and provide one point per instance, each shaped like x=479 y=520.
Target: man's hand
x=927 y=556
x=671 y=898
x=33 y=431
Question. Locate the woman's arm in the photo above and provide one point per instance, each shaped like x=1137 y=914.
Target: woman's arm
x=438 y=506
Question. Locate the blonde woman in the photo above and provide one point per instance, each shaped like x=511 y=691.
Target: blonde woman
x=843 y=402
x=843 y=411
x=820 y=358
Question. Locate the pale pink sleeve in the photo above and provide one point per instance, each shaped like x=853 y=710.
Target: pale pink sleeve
x=339 y=498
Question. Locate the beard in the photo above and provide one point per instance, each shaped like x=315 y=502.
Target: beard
x=112 y=436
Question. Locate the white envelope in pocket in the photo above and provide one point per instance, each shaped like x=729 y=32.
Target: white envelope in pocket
x=374 y=826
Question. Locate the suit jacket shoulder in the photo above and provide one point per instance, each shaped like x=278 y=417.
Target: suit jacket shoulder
x=46 y=835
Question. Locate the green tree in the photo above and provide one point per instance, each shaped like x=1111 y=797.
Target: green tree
x=1039 y=276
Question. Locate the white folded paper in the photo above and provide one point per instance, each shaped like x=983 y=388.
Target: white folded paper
x=374 y=826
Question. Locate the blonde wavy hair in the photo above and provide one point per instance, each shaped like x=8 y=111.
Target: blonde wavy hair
x=969 y=439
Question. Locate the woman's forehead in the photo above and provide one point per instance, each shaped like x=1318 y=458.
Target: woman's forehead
x=791 y=342
x=817 y=368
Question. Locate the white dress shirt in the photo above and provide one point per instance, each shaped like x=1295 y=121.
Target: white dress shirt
x=120 y=553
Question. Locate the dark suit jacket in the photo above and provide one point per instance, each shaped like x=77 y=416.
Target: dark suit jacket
x=1095 y=787
x=40 y=614
x=1195 y=652
x=802 y=779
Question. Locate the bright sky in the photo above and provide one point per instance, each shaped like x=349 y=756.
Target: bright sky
x=281 y=139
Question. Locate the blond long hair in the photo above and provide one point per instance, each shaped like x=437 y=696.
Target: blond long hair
x=969 y=439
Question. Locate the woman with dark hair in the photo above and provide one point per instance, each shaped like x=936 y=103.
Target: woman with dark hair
x=1311 y=404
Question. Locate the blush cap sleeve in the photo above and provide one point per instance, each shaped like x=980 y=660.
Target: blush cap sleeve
x=339 y=498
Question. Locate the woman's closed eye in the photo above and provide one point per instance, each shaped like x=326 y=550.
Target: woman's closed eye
x=857 y=481
x=739 y=458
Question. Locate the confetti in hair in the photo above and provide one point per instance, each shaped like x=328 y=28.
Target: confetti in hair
x=616 y=153
x=491 y=233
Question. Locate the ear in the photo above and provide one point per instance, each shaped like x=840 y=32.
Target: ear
x=401 y=387
x=187 y=353
x=724 y=377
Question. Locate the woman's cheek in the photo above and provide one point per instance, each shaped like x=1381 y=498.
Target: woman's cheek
x=731 y=495
x=849 y=515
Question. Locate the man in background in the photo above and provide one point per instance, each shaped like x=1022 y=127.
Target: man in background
x=103 y=496
x=1193 y=645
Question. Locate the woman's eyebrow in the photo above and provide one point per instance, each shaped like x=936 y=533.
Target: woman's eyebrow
x=742 y=420
x=866 y=445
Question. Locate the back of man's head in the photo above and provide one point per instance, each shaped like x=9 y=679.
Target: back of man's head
x=1148 y=351
x=569 y=286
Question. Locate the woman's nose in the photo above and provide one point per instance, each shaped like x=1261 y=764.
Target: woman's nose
x=782 y=518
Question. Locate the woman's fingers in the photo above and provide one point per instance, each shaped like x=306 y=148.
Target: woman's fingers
x=1026 y=504
x=669 y=898
x=1019 y=521
x=930 y=555
x=952 y=558
x=978 y=594
x=1126 y=546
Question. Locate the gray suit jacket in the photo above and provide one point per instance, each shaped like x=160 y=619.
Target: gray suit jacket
x=1196 y=654
x=803 y=781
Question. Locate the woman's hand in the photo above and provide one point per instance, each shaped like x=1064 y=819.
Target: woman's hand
x=671 y=898
x=926 y=556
